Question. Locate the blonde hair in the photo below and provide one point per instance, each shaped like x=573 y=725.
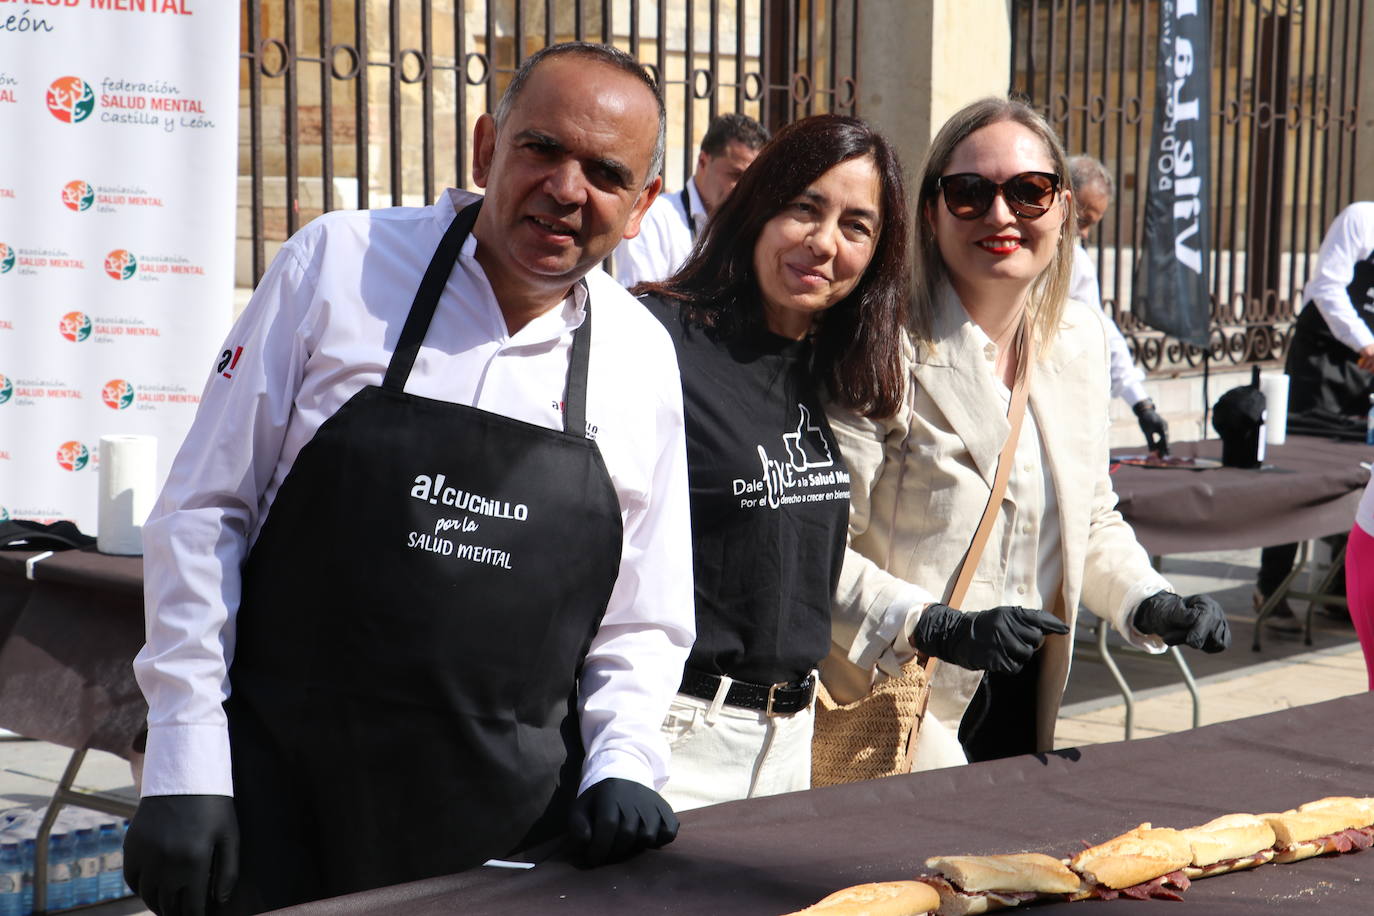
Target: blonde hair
x=1050 y=290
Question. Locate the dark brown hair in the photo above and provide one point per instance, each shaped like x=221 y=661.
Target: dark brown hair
x=857 y=341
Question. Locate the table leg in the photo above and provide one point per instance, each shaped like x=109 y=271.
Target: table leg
x=1322 y=594
x=65 y=794
x=1127 y=696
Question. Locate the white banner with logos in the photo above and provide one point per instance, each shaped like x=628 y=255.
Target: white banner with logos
x=118 y=162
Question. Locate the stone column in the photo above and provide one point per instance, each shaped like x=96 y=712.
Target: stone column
x=922 y=60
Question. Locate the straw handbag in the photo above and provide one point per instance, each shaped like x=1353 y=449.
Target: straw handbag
x=876 y=734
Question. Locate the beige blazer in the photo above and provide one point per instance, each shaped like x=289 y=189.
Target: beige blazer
x=919 y=483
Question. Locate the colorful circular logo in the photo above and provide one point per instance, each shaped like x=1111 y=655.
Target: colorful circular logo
x=6 y=258
x=75 y=326
x=117 y=394
x=6 y=389
x=73 y=456
x=121 y=264
x=78 y=195
x=71 y=99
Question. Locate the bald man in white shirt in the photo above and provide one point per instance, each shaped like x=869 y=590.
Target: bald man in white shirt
x=419 y=585
x=1093 y=190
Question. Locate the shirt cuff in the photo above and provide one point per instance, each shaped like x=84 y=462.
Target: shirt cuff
x=1132 y=392
x=888 y=636
x=617 y=763
x=1126 y=614
x=187 y=760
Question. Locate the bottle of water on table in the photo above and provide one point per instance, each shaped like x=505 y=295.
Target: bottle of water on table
x=27 y=850
x=86 y=874
x=1369 y=424
x=111 y=861
x=61 y=865
x=11 y=878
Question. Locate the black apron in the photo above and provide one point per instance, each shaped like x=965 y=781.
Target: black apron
x=1328 y=392
x=414 y=618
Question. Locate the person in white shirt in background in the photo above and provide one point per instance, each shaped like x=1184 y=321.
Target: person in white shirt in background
x=1094 y=189
x=672 y=225
x=419 y=585
x=1330 y=366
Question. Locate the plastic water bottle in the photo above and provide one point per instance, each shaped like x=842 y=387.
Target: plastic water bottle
x=1369 y=424
x=61 y=865
x=111 y=861
x=86 y=874
x=11 y=878
x=26 y=855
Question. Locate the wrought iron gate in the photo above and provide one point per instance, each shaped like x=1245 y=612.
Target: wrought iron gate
x=357 y=103
x=1287 y=101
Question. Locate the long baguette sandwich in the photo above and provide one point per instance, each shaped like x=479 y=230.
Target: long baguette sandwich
x=1141 y=863
x=888 y=898
x=1327 y=825
x=969 y=885
x=1229 y=843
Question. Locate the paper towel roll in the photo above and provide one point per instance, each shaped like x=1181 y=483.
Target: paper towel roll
x=128 y=486
x=1275 y=389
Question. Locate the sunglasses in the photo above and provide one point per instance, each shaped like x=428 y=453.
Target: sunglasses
x=969 y=195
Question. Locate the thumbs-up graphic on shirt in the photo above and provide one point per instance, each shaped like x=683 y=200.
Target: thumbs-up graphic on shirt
x=796 y=454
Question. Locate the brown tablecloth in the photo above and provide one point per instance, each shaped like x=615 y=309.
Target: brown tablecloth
x=1308 y=487
x=772 y=855
x=66 y=642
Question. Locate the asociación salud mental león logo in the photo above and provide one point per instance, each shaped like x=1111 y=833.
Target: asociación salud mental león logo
x=121 y=264
x=6 y=258
x=6 y=388
x=78 y=195
x=73 y=456
x=75 y=326
x=117 y=394
x=71 y=99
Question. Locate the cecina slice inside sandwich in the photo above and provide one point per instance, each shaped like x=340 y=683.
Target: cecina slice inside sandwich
x=887 y=898
x=1229 y=843
x=1141 y=863
x=969 y=885
x=1327 y=825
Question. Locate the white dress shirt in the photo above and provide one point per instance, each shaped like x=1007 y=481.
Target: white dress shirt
x=1128 y=382
x=1349 y=240
x=321 y=325
x=665 y=239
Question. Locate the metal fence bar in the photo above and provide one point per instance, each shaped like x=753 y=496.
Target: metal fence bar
x=756 y=67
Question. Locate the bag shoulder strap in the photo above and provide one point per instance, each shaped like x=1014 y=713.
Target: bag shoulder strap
x=1020 y=393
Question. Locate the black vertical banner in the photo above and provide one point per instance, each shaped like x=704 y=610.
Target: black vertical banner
x=1172 y=289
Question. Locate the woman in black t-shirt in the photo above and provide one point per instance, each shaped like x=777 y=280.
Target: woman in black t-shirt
x=796 y=290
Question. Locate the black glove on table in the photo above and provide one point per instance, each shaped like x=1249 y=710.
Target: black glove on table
x=1197 y=620
x=616 y=818
x=1000 y=640
x=1153 y=426
x=182 y=850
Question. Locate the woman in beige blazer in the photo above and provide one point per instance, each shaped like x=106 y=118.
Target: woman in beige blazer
x=994 y=242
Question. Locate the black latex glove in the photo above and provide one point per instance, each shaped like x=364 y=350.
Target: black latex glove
x=1197 y=620
x=181 y=851
x=616 y=818
x=1000 y=640
x=1153 y=426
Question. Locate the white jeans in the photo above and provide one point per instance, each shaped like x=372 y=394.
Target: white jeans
x=721 y=753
